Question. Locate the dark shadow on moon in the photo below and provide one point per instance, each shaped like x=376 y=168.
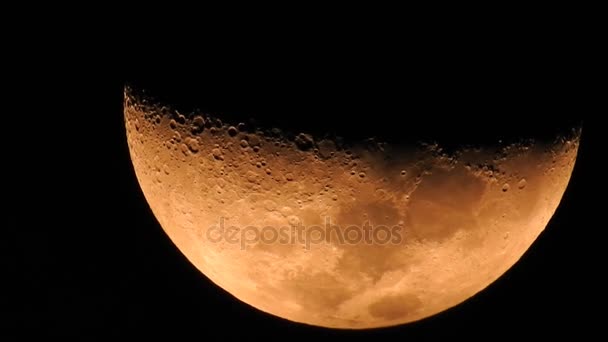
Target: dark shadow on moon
x=395 y=307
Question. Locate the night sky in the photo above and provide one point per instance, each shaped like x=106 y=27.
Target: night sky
x=90 y=258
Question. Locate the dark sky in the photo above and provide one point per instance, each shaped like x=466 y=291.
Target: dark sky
x=90 y=258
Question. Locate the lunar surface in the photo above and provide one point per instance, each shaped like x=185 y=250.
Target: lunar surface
x=260 y=213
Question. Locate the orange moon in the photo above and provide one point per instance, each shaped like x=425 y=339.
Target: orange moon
x=463 y=218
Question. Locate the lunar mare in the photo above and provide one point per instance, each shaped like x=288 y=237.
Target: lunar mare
x=467 y=217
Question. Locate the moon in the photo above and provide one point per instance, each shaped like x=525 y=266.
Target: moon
x=352 y=236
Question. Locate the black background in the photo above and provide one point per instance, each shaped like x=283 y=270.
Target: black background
x=90 y=258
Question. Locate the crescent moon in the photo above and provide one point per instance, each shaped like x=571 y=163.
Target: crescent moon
x=443 y=226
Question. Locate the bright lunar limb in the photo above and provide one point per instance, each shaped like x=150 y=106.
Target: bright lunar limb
x=261 y=214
